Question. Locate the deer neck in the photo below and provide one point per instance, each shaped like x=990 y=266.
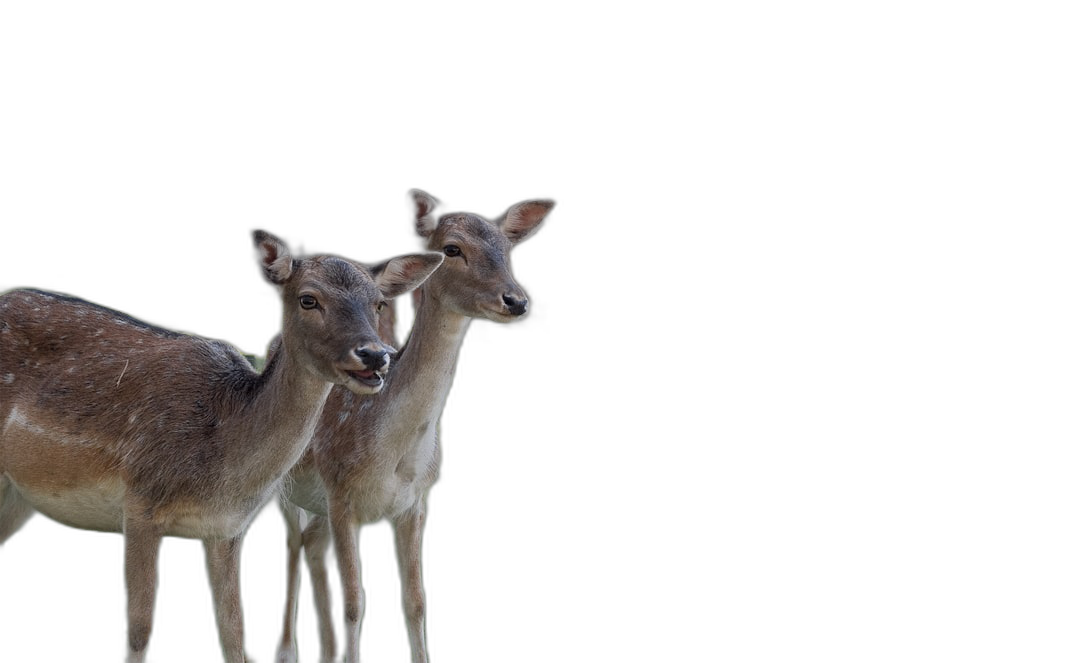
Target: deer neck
x=271 y=432
x=421 y=380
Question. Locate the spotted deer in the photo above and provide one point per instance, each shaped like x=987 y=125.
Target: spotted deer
x=111 y=424
x=377 y=458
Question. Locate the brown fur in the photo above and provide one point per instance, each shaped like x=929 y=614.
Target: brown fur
x=109 y=423
x=378 y=457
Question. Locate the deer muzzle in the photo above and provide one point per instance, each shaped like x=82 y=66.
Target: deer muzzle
x=368 y=368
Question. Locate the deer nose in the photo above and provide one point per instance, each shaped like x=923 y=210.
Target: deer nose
x=373 y=359
x=515 y=305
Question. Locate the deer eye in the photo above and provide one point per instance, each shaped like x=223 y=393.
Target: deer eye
x=308 y=302
x=451 y=250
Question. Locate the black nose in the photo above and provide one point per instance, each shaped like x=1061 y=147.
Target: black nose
x=373 y=359
x=516 y=306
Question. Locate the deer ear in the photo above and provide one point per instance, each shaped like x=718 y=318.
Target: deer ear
x=523 y=219
x=425 y=208
x=399 y=275
x=274 y=257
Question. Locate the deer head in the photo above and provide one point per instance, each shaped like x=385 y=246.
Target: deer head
x=476 y=279
x=331 y=309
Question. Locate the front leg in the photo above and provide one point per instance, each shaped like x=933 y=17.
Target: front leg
x=345 y=531
x=408 y=537
x=316 y=543
x=223 y=567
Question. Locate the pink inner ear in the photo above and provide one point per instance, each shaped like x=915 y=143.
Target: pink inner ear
x=424 y=207
x=270 y=253
x=522 y=219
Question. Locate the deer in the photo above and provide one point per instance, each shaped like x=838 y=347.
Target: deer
x=112 y=424
x=377 y=458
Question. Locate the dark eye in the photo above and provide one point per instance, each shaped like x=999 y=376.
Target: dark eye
x=308 y=302
x=380 y=306
x=451 y=250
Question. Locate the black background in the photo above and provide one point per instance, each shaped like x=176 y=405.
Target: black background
x=159 y=229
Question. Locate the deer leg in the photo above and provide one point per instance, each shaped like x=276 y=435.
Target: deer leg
x=14 y=510
x=223 y=567
x=316 y=543
x=346 y=532
x=408 y=537
x=287 y=648
x=141 y=544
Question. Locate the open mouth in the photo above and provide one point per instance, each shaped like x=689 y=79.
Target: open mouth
x=502 y=315
x=368 y=377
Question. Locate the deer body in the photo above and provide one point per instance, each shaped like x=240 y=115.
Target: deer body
x=115 y=425
x=78 y=460
x=386 y=449
x=377 y=458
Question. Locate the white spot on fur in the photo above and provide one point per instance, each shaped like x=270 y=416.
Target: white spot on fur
x=9 y=378
x=15 y=417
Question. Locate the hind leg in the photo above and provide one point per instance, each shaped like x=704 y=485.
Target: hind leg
x=14 y=510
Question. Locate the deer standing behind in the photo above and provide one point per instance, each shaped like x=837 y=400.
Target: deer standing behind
x=377 y=458
x=111 y=424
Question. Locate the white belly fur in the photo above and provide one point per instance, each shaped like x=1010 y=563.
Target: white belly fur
x=96 y=508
